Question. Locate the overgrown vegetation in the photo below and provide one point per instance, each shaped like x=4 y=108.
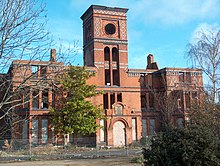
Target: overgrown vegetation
x=188 y=146
x=199 y=142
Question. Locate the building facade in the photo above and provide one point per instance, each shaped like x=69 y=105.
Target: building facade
x=136 y=102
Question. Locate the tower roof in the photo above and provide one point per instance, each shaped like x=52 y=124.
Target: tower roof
x=99 y=7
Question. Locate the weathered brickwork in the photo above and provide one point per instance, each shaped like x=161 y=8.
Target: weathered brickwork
x=136 y=102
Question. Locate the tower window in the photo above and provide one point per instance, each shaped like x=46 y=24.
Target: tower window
x=115 y=54
x=107 y=77
x=115 y=77
x=110 y=29
x=107 y=54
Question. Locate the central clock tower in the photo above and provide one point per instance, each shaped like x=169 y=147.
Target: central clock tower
x=105 y=42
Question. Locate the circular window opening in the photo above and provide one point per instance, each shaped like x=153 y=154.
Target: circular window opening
x=110 y=29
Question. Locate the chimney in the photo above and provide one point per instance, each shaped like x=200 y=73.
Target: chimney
x=53 y=55
x=150 y=60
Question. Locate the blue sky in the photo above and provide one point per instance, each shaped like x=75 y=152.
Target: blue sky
x=161 y=27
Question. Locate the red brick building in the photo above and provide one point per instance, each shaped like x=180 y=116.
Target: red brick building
x=136 y=102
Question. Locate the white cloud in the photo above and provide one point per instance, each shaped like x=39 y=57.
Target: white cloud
x=203 y=28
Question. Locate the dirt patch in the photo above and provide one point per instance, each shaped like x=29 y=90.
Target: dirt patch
x=122 y=161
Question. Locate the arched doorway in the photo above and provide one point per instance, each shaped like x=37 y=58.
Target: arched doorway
x=119 y=134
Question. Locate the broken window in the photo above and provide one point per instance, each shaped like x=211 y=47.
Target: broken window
x=143 y=101
x=53 y=98
x=35 y=99
x=43 y=70
x=188 y=77
x=34 y=70
x=181 y=77
x=151 y=101
x=187 y=97
x=45 y=102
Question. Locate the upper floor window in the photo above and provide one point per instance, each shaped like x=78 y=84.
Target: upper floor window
x=143 y=101
x=115 y=54
x=35 y=99
x=106 y=54
x=45 y=101
x=181 y=77
x=34 y=70
x=185 y=77
x=43 y=70
x=188 y=77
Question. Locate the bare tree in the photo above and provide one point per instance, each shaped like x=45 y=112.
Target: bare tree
x=205 y=54
x=22 y=36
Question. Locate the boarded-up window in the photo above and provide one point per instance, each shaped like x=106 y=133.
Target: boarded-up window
x=152 y=126
x=44 y=135
x=144 y=128
x=34 y=135
x=25 y=132
x=134 y=129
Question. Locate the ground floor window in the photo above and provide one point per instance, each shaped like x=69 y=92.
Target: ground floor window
x=152 y=126
x=44 y=134
x=25 y=132
x=134 y=129
x=144 y=128
x=34 y=135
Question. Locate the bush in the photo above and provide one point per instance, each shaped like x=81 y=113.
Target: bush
x=187 y=146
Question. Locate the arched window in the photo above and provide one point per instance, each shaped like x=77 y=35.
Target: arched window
x=106 y=54
x=114 y=54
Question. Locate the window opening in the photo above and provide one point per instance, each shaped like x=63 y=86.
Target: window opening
x=151 y=101
x=107 y=77
x=43 y=70
x=181 y=77
x=35 y=99
x=112 y=99
x=115 y=54
x=105 y=101
x=45 y=102
x=107 y=54
x=152 y=126
x=34 y=70
x=115 y=77
x=119 y=97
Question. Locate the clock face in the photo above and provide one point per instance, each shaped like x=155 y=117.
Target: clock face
x=110 y=29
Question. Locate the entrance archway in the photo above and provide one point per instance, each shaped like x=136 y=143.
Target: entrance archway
x=119 y=134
